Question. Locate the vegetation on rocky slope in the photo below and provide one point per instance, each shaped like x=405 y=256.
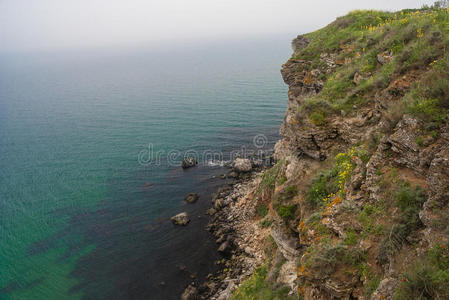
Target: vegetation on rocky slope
x=374 y=49
x=358 y=203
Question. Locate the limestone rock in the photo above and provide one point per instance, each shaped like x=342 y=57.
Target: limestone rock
x=242 y=165
x=384 y=57
x=232 y=174
x=181 y=219
x=225 y=248
x=288 y=274
x=358 y=78
x=385 y=290
x=300 y=42
x=227 y=293
x=191 y=197
x=287 y=244
x=190 y=293
x=403 y=142
x=189 y=162
x=438 y=178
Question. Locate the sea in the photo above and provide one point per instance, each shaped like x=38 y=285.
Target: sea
x=91 y=143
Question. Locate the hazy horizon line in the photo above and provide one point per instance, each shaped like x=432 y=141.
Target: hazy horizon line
x=47 y=26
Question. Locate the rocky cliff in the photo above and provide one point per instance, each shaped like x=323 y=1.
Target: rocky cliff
x=357 y=205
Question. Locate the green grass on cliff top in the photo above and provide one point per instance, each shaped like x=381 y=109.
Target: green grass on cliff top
x=417 y=41
x=368 y=29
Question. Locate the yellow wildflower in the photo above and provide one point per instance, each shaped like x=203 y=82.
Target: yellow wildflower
x=420 y=34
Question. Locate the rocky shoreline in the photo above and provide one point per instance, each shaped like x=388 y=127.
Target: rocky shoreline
x=234 y=224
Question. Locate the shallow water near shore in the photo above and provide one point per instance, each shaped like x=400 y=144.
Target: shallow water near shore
x=82 y=214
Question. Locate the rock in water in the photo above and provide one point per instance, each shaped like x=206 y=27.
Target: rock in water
x=191 y=198
x=242 y=165
x=190 y=293
x=181 y=219
x=225 y=248
x=233 y=174
x=189 y=162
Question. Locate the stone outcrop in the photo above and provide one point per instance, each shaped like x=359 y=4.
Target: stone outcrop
x=287 y=244
x=189 y=162
x=191 y=197
x=300 y=42
x=180 y=219
x=384 y=57
x=190 y=293
x=242 y=165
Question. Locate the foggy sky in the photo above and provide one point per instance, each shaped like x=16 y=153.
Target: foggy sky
x=27 y=25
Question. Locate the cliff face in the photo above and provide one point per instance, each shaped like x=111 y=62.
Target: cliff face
x=358 y=201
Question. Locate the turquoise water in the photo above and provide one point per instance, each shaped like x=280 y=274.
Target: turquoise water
x=80 y=217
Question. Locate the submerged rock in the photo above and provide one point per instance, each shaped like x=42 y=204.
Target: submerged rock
x=181 y=219
x=147 y=184
x=242 y=165
x=189 y=162
x=191 y=198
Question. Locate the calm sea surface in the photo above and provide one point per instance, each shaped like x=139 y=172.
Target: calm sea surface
x=81 y=217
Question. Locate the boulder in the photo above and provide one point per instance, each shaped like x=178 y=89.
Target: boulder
x=403 y=143
x=225 y=248
x=191 y=198
x=227 y=292
x=358 y=78
x=386 y=289
x=189 y=162
x=384 y=57
x=242 y=165
x=257 y=163
x=190 y=293
x=211 y=211
x=300 y=42
x=232 y=174
x=181 y=219
x=287 y=244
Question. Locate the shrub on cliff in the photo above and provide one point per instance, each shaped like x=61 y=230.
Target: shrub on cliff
x=316 y=110
x=324 y=184
x=262 y=210
x=284 y=196
x=430 y=99
x=409 y=202
x=269 y=178
x=428 y=278
x=256 y=287
x=329 y=185
x=323 y=257
x=287 y=212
